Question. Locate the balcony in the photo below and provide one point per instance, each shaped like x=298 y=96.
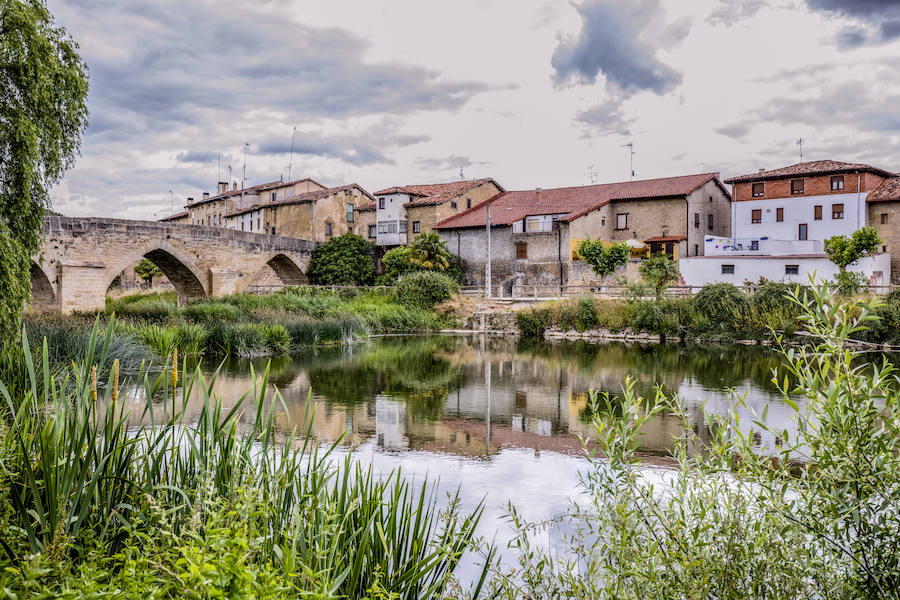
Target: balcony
x=761 y=246
x=391 y=233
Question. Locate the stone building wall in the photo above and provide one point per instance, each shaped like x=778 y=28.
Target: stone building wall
x=888 y=231
x=428 y=216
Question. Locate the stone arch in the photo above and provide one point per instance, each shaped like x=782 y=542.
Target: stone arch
x=287 y=270
x=43 y=296
x=186 y=279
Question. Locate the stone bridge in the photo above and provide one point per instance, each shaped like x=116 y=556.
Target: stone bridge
x=81 y=257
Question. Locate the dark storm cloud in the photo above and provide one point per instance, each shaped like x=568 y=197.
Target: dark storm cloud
x=349 y=149
x=614 y=41
x=606 y=118
x=873 y=21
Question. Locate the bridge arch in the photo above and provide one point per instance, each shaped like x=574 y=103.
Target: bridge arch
x=186 y=278
x=288 y=271
x=43 y=294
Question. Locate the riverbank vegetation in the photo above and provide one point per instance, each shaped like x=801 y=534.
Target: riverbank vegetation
x=223 y=506
x=751 y=511
x=718 y=312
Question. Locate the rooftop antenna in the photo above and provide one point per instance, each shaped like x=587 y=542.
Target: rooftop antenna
x=244 y=178
x=592 y=174
x=630 y=146
x=219 y=158
x=229 y=175
x=800 y=143
x=462 y=176
x=291 y=163
x=172 y=198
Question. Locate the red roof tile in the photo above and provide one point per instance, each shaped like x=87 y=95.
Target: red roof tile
x=254 y=189
x=435 y=193
x=303 y=198
x=888 y=191
x=366 y=207
x=180 y=215
x=573 y=202
x=808 y=169
x=666 y=238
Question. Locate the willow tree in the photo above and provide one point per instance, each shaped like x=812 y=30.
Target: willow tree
x=43 y=113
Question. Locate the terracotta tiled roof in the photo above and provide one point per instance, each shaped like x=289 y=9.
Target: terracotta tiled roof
x=254 y=189
x=366 y=207
x=888 y=191
x=573 y=202
x=810 y=168
x=180 y=215
x=304 y=198
x=435 y=193
x=666 y=238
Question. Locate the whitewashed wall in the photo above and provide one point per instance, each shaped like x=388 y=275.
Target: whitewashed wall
x=708 y=269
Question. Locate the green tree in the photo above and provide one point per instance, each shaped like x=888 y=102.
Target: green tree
x=603 y=260
x=43 y=113
x=845 y=250
x=342 y=260
x=659 y=271
x=146 y=270
x=429 y=252
x=396 y=262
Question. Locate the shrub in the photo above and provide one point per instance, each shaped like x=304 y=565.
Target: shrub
x=424 y=289
x=659 y=271
x=343 y=260
x=585 y=315
x=159 y=338
x=190 y=338
x=533 y=323
x=718 y=303
x=278 y=340
x=210 y=312
x=648 y=315
x=395 y=263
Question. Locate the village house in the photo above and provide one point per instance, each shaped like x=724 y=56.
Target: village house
x=211 y=210
x=403 y=212
x=534 y=233
x=782 y=217
x=315 y=215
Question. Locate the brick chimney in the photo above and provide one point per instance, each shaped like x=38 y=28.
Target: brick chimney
x=537 y=195
x=221 y=188
x=234 y=187
x=205 y=195
x=190 y=200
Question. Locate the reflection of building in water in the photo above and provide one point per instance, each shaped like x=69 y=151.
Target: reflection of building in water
x=390 y=424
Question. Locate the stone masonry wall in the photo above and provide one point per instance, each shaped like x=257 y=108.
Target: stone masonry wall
x=888 y=231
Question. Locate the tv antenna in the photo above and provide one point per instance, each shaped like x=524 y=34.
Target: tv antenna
x=800 y=143
x=462 y=176
x=219 y=159
x=630 y=146
x=592 y=174
x=291 y=162
x=244 y=178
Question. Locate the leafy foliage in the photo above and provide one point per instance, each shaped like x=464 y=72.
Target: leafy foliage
x=845 y=250
x=659 y=271
x=343 y=260
x=424 y=289
x=43 y=112
x=146 y=270
x=428 y=251
x=603 y=259
x=719 y=302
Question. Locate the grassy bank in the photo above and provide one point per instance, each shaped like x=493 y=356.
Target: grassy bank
x=719 y=312
x=242 y=324
x=224 y=507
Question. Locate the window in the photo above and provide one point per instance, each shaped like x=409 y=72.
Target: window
x=381 y=203
x=258 y=224
x=791 y=269
x=758 y=189
x=328 y=229
x=521 y=250
x=727 y=269
x=349 y=229
x=273 y=231
x=884 y=218
x=754 y=245
x=696 y=219
x=404 y=225
x=710 y=198
x=349 y=213
x=622 y=221
x=372 y=230
x=533 y=224
x=468 y=203
x=837 y=211
x=696 y=250
x=756 y=215
x=837 y=183
x=709 y=222
x=797 y=186
x=274 y=196
x=416 y=227
x=817 y=212
x=802 y=231
x=779 y=214
x=453 y=205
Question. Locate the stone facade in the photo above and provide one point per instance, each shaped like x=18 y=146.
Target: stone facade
x=366 y=222
x=427 y=216
x=80 y=258
x=211 y=210
x=885 y=218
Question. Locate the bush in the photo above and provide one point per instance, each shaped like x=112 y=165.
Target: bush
x=585 y=315
x=719 y=302
x=424 y=289
x=343 y=260
x=533 y=323
x=210 y=312
x=650 y=316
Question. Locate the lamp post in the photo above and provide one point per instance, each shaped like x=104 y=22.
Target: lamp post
x=487 y=265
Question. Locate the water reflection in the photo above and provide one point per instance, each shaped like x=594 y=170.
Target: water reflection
x=474 y=396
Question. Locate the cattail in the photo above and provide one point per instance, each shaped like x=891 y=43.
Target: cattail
x=115 y=390
x=94 y=383
x=174 y=368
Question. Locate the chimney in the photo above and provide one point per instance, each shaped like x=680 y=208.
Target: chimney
x=190 y=200
x=222 y=188
x=762 y=170
x=718 y=174
x=537 y=195
x=205 y=195
x=234 y=187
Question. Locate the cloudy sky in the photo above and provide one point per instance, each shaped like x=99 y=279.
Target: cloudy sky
x=535 y=93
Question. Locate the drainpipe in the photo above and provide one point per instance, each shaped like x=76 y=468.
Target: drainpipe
x=487 y=264
x=687 y=223
x=859 y=208
x=559 y=255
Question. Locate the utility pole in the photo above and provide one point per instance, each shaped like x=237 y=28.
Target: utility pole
x=291 y=162
x=487 y=264
x=172 y=198
x=244 y=179
x=630 y=146
x=800 y=143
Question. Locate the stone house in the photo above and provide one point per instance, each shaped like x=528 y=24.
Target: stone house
x=883 y=208
x=367 y=221
x=315 y=215
x=403 y=212
x=534 y=233
x=782 y=217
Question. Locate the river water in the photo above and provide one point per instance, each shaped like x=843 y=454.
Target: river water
x=498 y=418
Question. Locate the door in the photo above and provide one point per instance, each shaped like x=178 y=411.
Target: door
x=801 y=231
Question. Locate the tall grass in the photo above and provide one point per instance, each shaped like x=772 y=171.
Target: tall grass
x=85 y=488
